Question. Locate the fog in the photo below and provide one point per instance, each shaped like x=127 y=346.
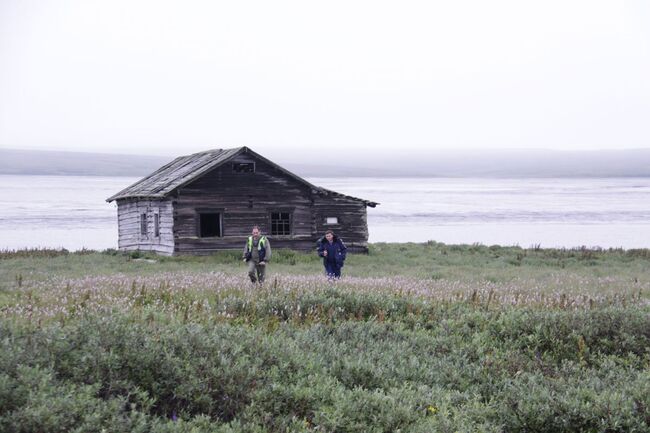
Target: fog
x=337 y=81
x=475 y=163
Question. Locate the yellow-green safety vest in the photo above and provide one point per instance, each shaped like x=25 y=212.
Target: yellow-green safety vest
x=260 y=244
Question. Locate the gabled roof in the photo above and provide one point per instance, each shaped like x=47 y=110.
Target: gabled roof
x=186 y=169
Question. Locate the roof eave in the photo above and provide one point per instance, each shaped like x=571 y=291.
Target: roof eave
x=136 y=197
x=327 y=192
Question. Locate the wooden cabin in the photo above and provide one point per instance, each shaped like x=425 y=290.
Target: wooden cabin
x=209 y=201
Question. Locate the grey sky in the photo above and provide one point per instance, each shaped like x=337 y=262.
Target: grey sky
x=306 y=77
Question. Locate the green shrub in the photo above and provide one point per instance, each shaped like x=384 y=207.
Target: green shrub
x=450 y=368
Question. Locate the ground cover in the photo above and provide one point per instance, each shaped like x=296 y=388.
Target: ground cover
x=415 y=338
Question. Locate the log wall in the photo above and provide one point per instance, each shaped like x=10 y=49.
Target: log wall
x=352 y=218
x=129 y=233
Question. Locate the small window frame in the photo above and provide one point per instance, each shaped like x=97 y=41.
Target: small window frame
x=289 y=212
x=156 y=225
x=243 y=167
x=329 y=222
x=143 y=224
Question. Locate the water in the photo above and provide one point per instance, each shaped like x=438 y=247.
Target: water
x=71 y=212
x=59 y=211
x=609 y=212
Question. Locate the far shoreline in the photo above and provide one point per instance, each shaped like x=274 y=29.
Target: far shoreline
x=6 y=253
x=367 y=176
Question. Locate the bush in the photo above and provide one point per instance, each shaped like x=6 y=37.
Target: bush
x=33 y=253
x=449 y=368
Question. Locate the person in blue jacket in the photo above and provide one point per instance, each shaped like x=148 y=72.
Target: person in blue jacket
x=332 y=249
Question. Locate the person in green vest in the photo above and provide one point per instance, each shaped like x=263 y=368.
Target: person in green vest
x=257 y=253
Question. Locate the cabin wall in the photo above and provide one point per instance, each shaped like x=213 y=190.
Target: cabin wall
x=129 y=228
x=243 y=200
x=352 y=218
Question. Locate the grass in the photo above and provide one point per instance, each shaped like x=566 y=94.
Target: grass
x=464 y=263
x=414 y=338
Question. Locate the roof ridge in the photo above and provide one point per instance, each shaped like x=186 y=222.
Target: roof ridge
x=220 y=150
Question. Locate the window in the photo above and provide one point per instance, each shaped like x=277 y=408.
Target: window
x=143 y=224
x=280 y=223
x=331 y=220
x=243 y=167
x=156 y=225
x=209 y=225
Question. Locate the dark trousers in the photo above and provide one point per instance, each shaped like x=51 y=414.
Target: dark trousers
x=256 y=271
x=332 y=270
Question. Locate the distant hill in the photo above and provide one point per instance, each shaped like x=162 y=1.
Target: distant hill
x=518 y=163
x=501 y=163
x=77 y=163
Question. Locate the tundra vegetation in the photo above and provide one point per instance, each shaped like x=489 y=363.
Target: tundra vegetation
x=414 y=338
